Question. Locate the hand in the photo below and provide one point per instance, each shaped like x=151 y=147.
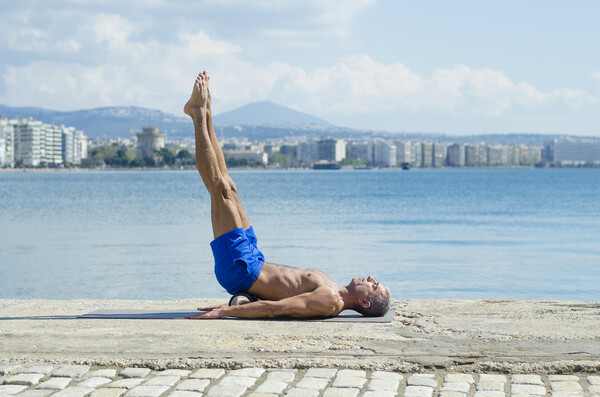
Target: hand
x=211 y=312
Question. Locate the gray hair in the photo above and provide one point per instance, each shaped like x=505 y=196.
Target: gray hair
x=380 y=304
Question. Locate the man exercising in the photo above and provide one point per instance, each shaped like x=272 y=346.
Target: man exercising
x=241 y=267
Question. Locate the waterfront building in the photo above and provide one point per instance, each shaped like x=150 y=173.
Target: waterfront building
x=382 y=153
x=252 y=154
x=456 y=155
x=498 y=155
x=7 y=158
x=35 y=143
x=51 y=144
x=27 y=141
x=535 y=154
x=149 y=141
x=514 y=155
x=471 y=156
x=307 y=152
x=270 y=148
x=427 y=154
x=403 y=153
x=440 y=152
x=482 y=155
x=357 y=150
x=290 y=151
x=416 y=154
x=330 y=149
x=74 y=146
x=572 y=152
x=523 y=155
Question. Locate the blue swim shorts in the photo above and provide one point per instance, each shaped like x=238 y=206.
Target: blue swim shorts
x=238 y=261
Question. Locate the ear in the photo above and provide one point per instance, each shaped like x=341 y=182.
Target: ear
x=364 y=302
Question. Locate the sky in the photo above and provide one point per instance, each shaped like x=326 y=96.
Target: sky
x=456 y=67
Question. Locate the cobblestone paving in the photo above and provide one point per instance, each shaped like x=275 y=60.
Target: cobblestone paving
x=83 y=380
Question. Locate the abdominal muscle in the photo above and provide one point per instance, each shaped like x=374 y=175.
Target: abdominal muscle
x=276 y=282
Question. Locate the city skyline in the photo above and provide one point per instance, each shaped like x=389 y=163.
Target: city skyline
x=430 y=66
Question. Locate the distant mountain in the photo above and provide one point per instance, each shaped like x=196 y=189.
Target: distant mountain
x=109 y=122
x=256 y=121
x=118 y=121
x=266 y=113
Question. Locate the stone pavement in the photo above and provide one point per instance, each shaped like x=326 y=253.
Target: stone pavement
x=103 y=381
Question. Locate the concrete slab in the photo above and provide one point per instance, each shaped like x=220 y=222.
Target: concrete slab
x=55 y=383
x=463 y=336
x=196 y=385
x=70 y=371
x=7 y=390
x=35 y=393
x=23 y=379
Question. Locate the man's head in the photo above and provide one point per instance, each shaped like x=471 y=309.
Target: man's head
x=371 y=298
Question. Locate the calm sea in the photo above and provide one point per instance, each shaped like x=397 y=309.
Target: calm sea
x=467 y=234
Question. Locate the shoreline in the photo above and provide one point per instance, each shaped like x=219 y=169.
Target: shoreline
x=267 y=169
x=434 y=335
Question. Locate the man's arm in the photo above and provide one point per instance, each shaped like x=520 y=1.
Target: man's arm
x=322 y=302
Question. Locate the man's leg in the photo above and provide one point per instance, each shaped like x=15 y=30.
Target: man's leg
x=223 y=165
x=224 y=207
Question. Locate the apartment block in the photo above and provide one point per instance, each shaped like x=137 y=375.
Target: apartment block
x=330 y=149
x=497 y=155
x=51 y=144
x=307 y=152
x=27 y=141
x=440 y=152
x=572 y=152
x=74 y=146
x=7 y=158
x=416 y=154
x=357 y=150
x=535 y=154
x=291 y=151
x=456 y=155
x=246 y=151
x=403 y=152
x=427 y=154
x=382 y=153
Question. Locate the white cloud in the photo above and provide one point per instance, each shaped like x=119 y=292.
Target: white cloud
x=485 y=91
x=356 y=85
x=338 y=13
x=574 y=99
x=114 y=58
x=111 y=29
x=36 y=40
x=301 y=24
x=199 y=44
x=330 y=12
x=360 y=85
x=64 y=86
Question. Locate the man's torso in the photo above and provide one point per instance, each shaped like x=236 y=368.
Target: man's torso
x=276 y=282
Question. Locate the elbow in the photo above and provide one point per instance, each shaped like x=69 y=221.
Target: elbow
x=270 y=313
x=267 y=311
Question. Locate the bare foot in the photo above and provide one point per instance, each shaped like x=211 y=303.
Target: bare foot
x=200 y=95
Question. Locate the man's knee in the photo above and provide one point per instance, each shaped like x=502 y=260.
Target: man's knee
x=232 y=185
x=223 y=188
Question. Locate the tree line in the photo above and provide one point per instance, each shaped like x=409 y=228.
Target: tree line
x=121 y=156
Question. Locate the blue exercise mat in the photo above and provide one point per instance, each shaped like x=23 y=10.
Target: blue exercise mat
x=350 y=316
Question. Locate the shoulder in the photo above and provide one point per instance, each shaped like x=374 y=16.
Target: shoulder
x=326 y=300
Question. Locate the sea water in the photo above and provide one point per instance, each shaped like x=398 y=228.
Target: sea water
x=445 y=233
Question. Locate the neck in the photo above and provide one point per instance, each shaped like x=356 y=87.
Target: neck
x=347 y=298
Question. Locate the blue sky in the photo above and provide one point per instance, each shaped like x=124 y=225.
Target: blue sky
x=460 y=67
